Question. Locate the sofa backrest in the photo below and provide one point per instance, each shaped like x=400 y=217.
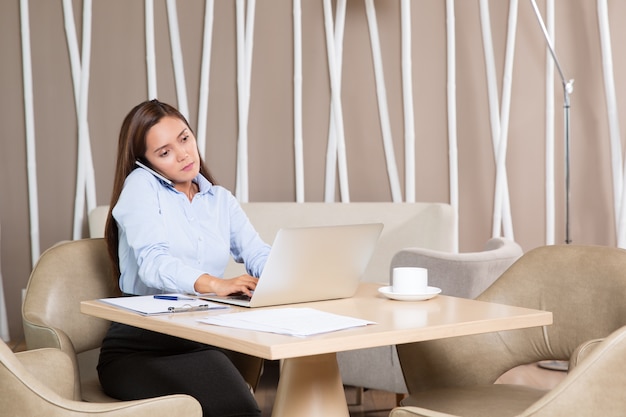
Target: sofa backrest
x=427 y=225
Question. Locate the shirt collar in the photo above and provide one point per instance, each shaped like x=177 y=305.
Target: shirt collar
x=204 y=185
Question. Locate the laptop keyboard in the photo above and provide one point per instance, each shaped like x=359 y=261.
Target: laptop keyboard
x=242 y=297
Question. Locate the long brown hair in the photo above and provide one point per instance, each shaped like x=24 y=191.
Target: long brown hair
x=132 y=146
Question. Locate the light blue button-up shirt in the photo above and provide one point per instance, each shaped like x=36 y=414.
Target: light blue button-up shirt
x=166 y=242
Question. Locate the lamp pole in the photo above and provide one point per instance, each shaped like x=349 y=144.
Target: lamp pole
x=568 y=88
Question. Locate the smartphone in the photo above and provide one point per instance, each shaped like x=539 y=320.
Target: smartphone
x=153 y=172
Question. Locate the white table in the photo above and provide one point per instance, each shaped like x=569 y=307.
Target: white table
x=310 y=383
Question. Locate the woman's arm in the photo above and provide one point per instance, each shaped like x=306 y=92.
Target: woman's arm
x=246 y=245
x=155 y=251
x=210 y=284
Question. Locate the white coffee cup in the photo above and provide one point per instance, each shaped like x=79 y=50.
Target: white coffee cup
x=409 y=280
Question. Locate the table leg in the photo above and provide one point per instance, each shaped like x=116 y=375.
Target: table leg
x=310 y=386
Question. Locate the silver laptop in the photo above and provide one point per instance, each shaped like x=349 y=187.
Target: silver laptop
x=311 y=264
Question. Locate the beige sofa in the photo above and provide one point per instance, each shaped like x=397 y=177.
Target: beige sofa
x=428 y=225
x=423 y=225
x=406 y=225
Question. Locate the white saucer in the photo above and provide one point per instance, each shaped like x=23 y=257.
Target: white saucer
x=430 y=293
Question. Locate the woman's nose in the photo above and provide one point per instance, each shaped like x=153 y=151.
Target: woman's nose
x=182 y=153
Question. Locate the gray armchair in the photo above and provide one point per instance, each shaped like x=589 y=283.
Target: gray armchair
x=464 y=274
x=41 y=383
x=585 y=288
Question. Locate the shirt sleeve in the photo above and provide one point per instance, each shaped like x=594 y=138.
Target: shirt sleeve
x=247 y=247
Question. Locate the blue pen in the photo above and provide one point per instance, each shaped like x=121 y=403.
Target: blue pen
x=172 y=297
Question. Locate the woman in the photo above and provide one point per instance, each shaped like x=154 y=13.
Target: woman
x=171 y=229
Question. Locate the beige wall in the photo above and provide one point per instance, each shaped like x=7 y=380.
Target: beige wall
x=118 y=82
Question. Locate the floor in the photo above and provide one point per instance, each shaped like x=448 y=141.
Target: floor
x=373 y=404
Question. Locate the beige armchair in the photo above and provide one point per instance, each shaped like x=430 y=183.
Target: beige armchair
x=65 y=275
x=594 y=387
x=464 y=274
x=41 y=383
x=584 y=287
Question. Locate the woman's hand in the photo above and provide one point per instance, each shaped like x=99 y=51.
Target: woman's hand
x=244 y=284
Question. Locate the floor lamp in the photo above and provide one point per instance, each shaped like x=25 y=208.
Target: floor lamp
x=568 y=88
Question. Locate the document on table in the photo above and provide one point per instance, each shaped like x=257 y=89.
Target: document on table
x=167 y=303
x=290 y=321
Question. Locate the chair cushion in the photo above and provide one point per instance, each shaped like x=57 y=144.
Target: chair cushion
x=92 y=391
x=498 y=400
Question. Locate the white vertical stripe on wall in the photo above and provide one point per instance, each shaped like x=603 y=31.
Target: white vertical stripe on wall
x=492 y=92
x=501 y=213
x=381 y=94
x=614 y=128
x=177 y=59
x=297 y=100
x=453 y=159
x=549 y=100
x=29 y=121
x=332 y=149
x=407 y=99
x=502 y=199
x=72 y=46
x=205 y=71
x=241 y=99
x=85 y=181
x=250 y=18
x=150 y=50
x=245 y=38
x=334 y=69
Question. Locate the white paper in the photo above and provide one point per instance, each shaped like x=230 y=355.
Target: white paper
x=148 y=305
x=291 y=321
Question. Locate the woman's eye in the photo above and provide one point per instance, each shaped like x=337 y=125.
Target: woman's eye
x=164 y=153
x=185 y=138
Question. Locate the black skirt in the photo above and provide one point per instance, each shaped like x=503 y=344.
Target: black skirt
x=136 y=364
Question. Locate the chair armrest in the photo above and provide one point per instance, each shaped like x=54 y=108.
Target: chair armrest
x=594 y=387
x=38 y=335
x=52 y=367
x=582 y=352
x=171 y=405
x=411 y=411
x=26 y=390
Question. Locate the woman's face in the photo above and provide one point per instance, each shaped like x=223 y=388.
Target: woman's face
x=171 y=149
